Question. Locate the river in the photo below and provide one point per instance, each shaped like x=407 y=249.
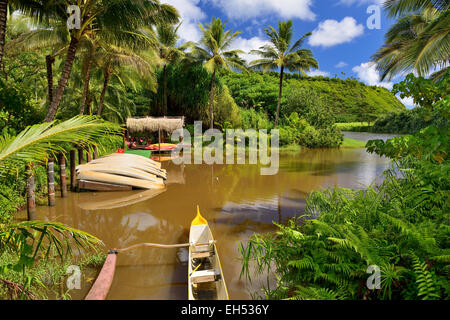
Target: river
x=236 y=200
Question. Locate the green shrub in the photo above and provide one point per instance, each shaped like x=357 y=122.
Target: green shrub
x=252 y=119
x=409 y=121
x=297 y=131
x=226 y=111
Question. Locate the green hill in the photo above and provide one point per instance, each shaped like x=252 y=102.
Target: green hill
x=349 y=100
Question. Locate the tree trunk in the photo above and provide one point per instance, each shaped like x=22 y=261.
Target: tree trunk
x=279 y=97
x=102 y=96
x=31 y=200
x=89 y=106
x=49 y=62
x=3 y=17
x=51 y=182
x=87 y=78
x=211 y=100
x=70 y=58
x=165 y=91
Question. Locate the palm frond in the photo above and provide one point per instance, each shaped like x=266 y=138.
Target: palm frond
x=38 y=141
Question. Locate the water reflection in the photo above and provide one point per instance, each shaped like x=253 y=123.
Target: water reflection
x=236 y=200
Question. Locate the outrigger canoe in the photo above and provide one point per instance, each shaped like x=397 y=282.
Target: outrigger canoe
x=205 y=276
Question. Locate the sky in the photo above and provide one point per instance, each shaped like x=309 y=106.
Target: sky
x=344 y=32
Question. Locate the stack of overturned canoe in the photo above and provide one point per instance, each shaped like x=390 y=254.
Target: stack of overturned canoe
x=121 y=171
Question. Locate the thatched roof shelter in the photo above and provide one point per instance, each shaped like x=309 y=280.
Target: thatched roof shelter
x=150 y=124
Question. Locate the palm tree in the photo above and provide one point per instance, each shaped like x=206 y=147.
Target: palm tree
x=212 y=50
x=419 y=40
x=107 y=17
x=112 y=59
x=167 y=37
x=283 y=55
x=402 y=7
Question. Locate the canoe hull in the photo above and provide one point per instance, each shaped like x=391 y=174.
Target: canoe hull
x=213 y=290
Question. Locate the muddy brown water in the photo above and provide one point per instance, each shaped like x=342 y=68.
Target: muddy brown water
x=236 y=200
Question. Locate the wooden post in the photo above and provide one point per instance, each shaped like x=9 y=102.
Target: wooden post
x=88 y=156
x=31 y=201
x=73 y=178
x=95 y=152
x=125 y=133
x=80 y=155
x=62 y=174
x=159 y=143
x=51 y=182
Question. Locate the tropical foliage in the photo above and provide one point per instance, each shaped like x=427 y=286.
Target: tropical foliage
x=419 y=40
x=37 y=239
x=399 y=228
x=429 y=96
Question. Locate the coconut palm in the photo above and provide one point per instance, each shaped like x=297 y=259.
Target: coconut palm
x=106 y=17
x=281 y=54
x=419 y=41
x=36 y=142
x=167 y=37
x=112 y=59
x=402 y=7
x=213 y=52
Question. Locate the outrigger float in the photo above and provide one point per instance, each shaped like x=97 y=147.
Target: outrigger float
x=204 y=274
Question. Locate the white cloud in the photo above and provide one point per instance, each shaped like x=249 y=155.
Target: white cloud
x=247 y=45
x=245 y=9
x=191 y=15
x=408 y=102
x=341 y=64
x=317 y=73
x=331 y=32
x=368 y=73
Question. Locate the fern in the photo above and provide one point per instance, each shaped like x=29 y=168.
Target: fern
x=425 y=282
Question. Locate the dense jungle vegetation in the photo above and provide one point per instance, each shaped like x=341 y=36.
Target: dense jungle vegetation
x=399 y=228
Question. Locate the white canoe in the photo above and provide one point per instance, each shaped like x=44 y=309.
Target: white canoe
x=205 y=276
x=117 y=179
x=130 y=156
x=119 y=170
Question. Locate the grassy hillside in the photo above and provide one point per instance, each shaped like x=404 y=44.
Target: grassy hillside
x=349 y=100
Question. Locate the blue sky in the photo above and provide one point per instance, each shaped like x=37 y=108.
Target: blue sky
x=341 y=40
